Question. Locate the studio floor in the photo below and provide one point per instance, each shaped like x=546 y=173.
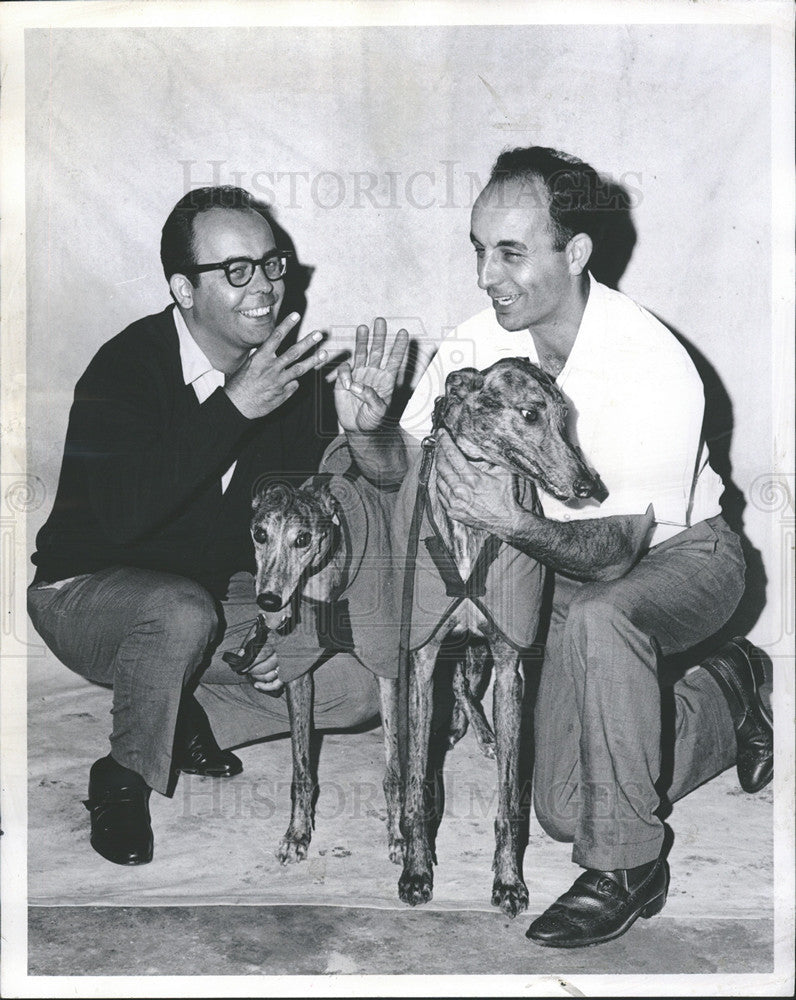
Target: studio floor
x=216 y=902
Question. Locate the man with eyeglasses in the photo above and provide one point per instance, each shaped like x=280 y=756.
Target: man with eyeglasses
x=144 y=567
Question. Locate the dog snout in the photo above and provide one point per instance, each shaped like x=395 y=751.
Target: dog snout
x=269 y=601
x=584 y=488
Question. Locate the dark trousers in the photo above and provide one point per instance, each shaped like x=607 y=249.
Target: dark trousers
x=150 y=635
x=598 y=711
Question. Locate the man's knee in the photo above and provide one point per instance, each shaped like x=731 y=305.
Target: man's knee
x=346 y=694
x=556 y=810
x=183 y=612
x=597 y=618
x=363 y=700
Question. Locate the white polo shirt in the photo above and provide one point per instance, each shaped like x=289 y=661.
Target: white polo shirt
x=635 y=402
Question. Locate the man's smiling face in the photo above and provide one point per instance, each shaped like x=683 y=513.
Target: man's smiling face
x=529 y=281
x=228 y=320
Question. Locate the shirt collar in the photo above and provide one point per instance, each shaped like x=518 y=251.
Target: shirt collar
x=192 y=357
x=590 y=329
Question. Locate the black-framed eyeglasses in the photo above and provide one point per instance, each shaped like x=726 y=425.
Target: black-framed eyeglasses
x=239 y=271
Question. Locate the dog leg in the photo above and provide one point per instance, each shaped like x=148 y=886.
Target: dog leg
x=388 y=695
x=509 y=891
x=459 y=720
x=296 y=841
x=469 y=684
x=417 y=878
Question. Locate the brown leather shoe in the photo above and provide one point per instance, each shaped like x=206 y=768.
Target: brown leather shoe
x=195 y=747
x=737 y=669
x=601 y=906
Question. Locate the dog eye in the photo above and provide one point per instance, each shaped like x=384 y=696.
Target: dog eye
x=529 y=416
x=303 y=539
x=260 y=535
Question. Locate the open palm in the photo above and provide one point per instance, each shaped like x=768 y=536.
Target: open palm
x=364 y=389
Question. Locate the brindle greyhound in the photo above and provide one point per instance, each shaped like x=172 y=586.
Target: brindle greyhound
x=303 y=547
x=511 y=415
x=302 y=552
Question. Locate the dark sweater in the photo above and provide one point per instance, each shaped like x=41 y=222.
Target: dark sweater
x=140 y=482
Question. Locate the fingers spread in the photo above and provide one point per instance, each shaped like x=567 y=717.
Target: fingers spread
x=397 y=352
x=361 y=347
x=272 y=342
x=379 y=340
x=309 y=345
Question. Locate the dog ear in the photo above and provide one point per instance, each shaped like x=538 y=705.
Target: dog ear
x=461 y=383
x=269 y=496
x=459 y=386
x=329 y=503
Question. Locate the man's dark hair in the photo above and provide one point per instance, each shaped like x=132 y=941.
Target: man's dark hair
x=572 y=186
x=177 y=251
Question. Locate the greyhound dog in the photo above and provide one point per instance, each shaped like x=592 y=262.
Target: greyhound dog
x=511 y=415
x=305 y=545
x=304 y=548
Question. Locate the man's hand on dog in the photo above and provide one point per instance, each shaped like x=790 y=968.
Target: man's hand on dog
x=363 y=392
x=264 y=381
x=481 y=496
x=264 y=674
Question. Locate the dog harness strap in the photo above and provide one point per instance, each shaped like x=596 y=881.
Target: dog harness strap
x=446 y=567
x=476 y=583
x=455 y=586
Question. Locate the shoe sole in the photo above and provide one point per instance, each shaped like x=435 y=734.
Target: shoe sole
x=650 y=909
x=118 y=861
x=208 y=774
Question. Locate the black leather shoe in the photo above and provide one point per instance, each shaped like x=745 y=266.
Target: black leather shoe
x=601 y=906
x=737 y=670
x=195 y=747
x=118 y=800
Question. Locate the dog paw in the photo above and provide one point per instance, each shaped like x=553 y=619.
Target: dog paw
x=512 y=898
x=293 y=849
x=396 y=850
x=415 y=888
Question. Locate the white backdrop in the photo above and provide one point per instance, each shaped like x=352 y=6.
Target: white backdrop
x=370 y=143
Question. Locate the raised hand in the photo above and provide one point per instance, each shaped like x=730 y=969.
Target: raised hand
x=363 y=391
x=264 y=381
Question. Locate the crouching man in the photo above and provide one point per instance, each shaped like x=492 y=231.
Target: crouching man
x=144 y=569
x=628 y=591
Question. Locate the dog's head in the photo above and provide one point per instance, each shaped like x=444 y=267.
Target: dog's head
x=513 y=415
x=294 y=532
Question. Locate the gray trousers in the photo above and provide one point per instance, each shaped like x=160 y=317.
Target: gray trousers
x=598 y=711
x=150 y=635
